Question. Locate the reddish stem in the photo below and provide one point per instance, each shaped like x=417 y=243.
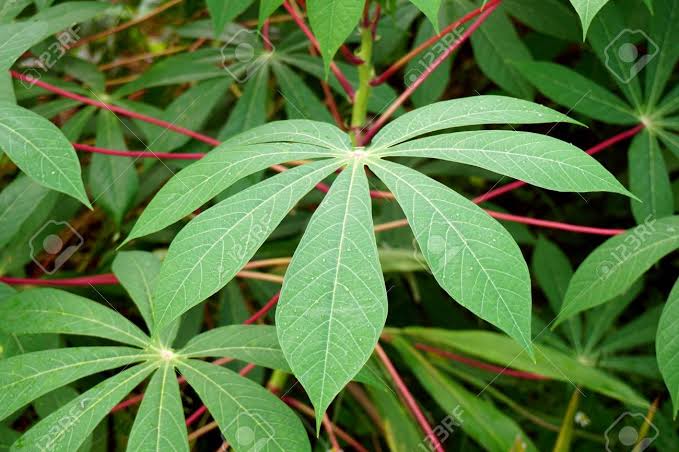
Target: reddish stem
x=553 y=224
x=417 y=50
x=349 y=56
x=481 y=365
x=140 y=154
x=123 y=111
x=314 y=42
x=377 y=125
x=408 y=399
x=106 y=279
x=265 y=36
x=263 y=311
x=593 y=150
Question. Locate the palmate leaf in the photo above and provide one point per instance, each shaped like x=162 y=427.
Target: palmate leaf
x=466 y=111
x=587 y=9
x=667 y=346
x=664 y=29
x=40 y=150
x=68 y=427
x=24 y=378
x=249 y=416
x=332 y=21
x=533 y=158
x=648 y=179
x=470 y=254
x=203 y=180
x=159 y=425
x=614 y=266
x=208 y=252
x=333 y=303
x=65 y=313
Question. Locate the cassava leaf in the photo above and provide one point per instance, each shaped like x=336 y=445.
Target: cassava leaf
x=470 y=254
x=570 y=89
x=250 y=108
x=664 y=29
x=159 y=425
x=223 y=12
x=266 y=8
x=137 y=272
x=65 y=313
x=210 y=250
x=551 y=17
x=333 y=302
x=667 y=346
x=587 y=9
x=203 y=180
x=26 y=377
x=332 y=21
x=302 y=131
x=648 y=179
x=536 y=159
x=430 y=8
x=40 y=150
x=249 y=416
x=466 y=111
x=300 y=101
x=69 y=426
x=614 y=266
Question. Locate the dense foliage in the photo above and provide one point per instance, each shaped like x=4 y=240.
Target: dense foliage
x=314 y=180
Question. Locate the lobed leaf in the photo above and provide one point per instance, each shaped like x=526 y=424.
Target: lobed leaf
x=333 y=303
x=210 y=250
x=470 y=254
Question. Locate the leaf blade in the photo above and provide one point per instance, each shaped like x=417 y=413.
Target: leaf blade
x=667 y=349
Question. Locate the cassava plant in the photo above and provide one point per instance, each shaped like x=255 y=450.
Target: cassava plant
x=256 y=241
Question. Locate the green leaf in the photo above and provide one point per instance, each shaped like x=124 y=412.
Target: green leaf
x=470 y=254
x=614 y=266
x=215 y=245
x=300 y=101
x=257 y=344
x=664 y=30
x=137 y=272
x=536 y=159
x=250 y=109
x=572 y=90
x=113 y=179
x=648 y=179
x=159 y=425
x=640 y=331
x=65 y=313
x=498 y=349
x=667 y=346
x=295 y=131
x=218 y=170
x=333 y=302
x=20 y=36
x=40 y=150
x=26 y=377
x=587 y=9
x=479 y=418
x=467 y=111
x=550 y=17
x=7 y=90
x=244 y=411
x=332 y=21
x=10 y=9
x=68 y=427
x=224 y=12
x=267 y=8
x=430 y=8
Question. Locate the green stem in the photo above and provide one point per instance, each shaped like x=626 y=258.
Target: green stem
x=365 y=74
x=277 y=381
x=563 y=441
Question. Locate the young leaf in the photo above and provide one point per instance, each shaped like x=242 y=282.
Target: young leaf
x=499 y=349
x=223 y=12
x=218 y=170
x=470 y=254
x=137 y=272
x=536 y=159
x=570 y=89
x=467 y=111
x=667 y=346
x=479 y=418
x=65 y=313
x=159 y=424
x=332 y=21
x=26 y=377
x=614 y=266
x=249 y=416
x=68 y=427
x=41 y=151
x=210 y=250
x=587 y=9
x=113 y=179
x=648 y=179
x=333 y=302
